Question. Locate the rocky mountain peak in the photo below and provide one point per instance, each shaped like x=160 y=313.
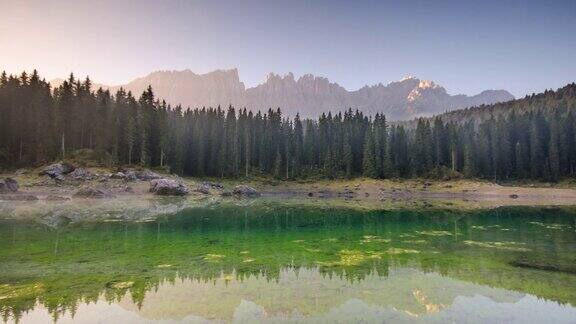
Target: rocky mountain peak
x=427 y=84
x=308 y=95
x=408 y=77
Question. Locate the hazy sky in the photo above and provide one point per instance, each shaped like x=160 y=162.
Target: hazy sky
x=467 y=46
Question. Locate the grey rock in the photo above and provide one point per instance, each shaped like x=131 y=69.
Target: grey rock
x=203 y=188
x=8 y=185
x=168 y=187
x=130 y=176
x=244 y=190
x=119 y=175
x=213 y=185
x=147 y=175
x=57 y=170
x=80 y=174
x=206 y=186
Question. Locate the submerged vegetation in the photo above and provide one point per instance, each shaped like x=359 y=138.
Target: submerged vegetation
x=64 y=266
x=530 y=138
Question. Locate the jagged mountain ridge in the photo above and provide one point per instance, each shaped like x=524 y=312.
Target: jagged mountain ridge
x=308 y=95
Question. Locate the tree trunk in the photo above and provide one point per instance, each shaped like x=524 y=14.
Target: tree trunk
x=21 y=148
x=453 y=159
x=82 y=137
x=63 y=145
x=247 y=152
x=130 y=155
x=246 y=175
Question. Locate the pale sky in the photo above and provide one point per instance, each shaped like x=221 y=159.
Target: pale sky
x=466 y=46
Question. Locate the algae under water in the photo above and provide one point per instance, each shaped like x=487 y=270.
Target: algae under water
x=282 y=263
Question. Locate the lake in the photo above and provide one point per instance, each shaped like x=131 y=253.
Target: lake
x=267 y=262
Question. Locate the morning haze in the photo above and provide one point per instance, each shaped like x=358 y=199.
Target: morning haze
x=466 y=47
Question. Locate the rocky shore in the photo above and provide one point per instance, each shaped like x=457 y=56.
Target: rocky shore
x=61 y=182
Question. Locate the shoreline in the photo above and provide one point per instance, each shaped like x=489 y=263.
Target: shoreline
x=357 y=193
x=477 y=194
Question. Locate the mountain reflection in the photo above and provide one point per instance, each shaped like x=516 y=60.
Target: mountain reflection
x=285 y=263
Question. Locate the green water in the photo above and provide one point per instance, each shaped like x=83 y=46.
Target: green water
x=282 y=263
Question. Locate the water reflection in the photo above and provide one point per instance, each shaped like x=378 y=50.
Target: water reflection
x=269 y=263
x=308 y=295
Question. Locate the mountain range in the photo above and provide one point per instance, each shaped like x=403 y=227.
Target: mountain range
x=307 y=95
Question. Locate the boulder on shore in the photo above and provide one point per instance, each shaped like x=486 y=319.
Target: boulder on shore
x=130 y=176
x=8 y=185
x=118 y=175
x=205 y=187
x=213 y=185
x=168 y=187
x=81 y=174
x=96 y=193
x=133 y=175
x=244 y=190
x=57 y=170
x=147 y=175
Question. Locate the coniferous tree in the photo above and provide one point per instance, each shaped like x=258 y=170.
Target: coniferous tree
x=369 y=162
x=298 y=146
x=422 y=151
x=530 y=138
x=537 y=139
x=348 y=157
x=553 y=150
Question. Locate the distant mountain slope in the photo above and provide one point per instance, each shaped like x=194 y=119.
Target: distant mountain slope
x=308 y=95
x=547 y=102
